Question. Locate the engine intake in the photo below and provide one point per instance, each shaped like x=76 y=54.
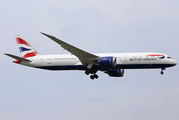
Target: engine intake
x=116 y=73
x=107 y=61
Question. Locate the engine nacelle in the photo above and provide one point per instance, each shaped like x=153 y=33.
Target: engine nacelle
x=116 y=73
x=107 y=61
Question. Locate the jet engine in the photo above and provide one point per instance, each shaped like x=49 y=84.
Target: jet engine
x=107 y=61
x=116 y=73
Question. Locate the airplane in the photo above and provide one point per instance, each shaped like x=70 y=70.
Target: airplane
x=112 y=64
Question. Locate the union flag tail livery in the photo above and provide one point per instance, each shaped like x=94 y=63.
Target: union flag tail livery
x=25 y=48
x=111 y=63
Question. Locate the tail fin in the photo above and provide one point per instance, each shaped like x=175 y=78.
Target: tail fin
x=25 y=48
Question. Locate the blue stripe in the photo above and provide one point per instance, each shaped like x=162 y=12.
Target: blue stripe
x=162 y=57
x=121 y=66
x=22 y=49
x=76 y=67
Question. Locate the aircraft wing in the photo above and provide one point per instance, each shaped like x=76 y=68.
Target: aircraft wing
x=85 y=57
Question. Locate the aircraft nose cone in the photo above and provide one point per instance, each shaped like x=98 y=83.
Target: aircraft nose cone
x=174 y=62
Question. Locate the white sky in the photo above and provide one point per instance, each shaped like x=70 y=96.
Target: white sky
x=96 y=26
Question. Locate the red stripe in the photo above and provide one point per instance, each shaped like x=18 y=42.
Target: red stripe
x=156 y=55
x=18 y=61
x=32 y=54
x=21 y=41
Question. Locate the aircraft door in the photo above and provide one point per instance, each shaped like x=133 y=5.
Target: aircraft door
x=119 y=60
x=42 y=61
x=125 y=59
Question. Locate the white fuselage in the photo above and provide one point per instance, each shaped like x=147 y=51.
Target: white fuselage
x=123 y=61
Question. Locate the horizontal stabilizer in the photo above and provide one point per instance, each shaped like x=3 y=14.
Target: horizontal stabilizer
x=18 y=58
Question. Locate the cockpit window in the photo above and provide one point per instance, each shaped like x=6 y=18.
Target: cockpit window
x=169 y=57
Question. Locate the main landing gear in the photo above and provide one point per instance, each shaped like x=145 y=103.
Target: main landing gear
x=94 y=75
x=162 y=71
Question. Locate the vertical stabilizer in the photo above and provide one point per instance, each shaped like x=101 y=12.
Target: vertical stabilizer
x=25 y=48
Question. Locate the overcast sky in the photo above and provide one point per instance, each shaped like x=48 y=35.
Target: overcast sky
x=96 y=26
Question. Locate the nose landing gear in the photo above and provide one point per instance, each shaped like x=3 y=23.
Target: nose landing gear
x=93 y=72
x=162 y=71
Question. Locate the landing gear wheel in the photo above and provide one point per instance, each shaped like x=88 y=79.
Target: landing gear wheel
x=87 y=72
x=161 y=72
x=96 y=76
x=92 y=77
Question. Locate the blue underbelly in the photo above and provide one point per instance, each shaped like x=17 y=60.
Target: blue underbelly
x=119 y=66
